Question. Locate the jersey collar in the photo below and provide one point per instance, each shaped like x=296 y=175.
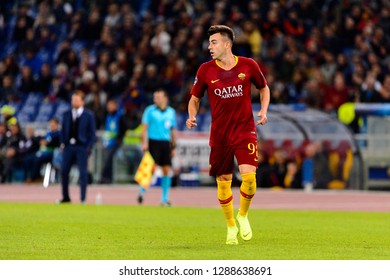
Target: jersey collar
x=235 y=57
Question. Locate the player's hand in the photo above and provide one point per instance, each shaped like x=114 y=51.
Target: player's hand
x=263 y=118
x=191 y=122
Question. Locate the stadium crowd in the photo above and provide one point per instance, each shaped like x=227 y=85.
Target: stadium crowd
x=319 y=53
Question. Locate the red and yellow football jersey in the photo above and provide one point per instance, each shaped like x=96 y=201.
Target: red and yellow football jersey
x=229 y=93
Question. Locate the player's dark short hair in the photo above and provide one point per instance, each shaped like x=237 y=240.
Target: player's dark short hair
x=224 y=30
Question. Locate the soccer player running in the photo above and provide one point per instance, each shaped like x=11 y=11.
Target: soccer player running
x=227 y=79
x=159 y=138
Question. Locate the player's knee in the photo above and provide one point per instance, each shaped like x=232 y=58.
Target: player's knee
x=224 y=189
x=248 y=185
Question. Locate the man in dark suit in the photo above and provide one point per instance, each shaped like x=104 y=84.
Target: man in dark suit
x=77 y=140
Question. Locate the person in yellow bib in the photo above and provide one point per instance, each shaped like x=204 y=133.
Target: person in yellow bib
x=8 y=115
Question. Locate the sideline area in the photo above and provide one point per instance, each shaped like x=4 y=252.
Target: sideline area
x=328 y=200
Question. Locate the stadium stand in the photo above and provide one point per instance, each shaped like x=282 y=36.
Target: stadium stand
x=316 y=55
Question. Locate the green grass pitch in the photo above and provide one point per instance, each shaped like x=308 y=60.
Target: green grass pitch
x=110 y=232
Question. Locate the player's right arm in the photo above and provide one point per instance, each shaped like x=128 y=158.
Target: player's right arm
x=193 y=109
x=197 y=92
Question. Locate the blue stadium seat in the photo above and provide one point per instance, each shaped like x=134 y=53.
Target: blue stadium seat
x=45 y=112
x=24 y=118
x=181 y=121
x=10 y=48
x=62 y=107
x=28 y=112
x=33 y=98
x=204 y=122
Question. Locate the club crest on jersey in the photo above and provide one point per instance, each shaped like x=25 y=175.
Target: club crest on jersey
x=241 y=76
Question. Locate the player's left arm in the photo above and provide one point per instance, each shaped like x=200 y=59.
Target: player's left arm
x=260 y=82
x=264 y=100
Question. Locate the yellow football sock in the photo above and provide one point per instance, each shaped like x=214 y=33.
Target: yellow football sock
x=225 y=197
x=247 y=191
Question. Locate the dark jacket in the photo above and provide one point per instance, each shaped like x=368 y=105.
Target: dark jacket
x=86 y=129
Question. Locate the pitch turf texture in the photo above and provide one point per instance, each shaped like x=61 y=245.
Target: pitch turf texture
x=108 y=232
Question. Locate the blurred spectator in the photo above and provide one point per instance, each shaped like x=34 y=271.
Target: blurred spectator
x=161 y=39
x=29 y=43
x=151 y=82
x=3 y=146
x=114 y=130
x=3 y=135
x=278 y=168
x=86 y=81
x=370 y=89
x=113 y=17
x=46 y=41
x=45 y=79
x=47 y=145
x=23 y=22
x=328 y=68
x=293 y=177
x=293 y=25
x=103 y=79
x=344 y=67
x=44 y=16
x=8 y=115
x=133 y=97
x=30 y=58
x=60 y=90
x=116 y=81
x=264 y=170
x=11 y=66
x=93 y=27
x=336 y=94
x=27 y=82
x=317 y=155
x=76 y=27
x=27 y=150
x=249 y=41
x=72 y=61
x=171 y=73
x=95 y=101
x=385 y=89
x=8 y=90
x=11 y=156
x=128 y=31
x=103 y=59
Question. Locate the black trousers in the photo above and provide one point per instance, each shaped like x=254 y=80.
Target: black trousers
x=74 y=154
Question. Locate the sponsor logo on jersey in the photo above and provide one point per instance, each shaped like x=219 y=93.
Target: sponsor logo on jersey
x=229 y=92
x=214 y=81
